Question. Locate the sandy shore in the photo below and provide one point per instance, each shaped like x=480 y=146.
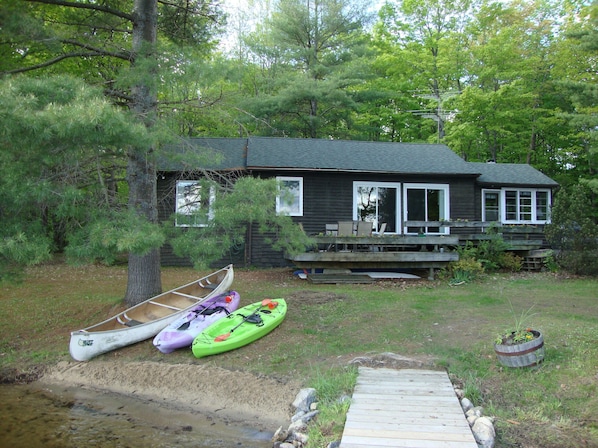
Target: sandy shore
x=235 y=395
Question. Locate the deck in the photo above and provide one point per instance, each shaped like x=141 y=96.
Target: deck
x=376 y=252
x=405 y=408
x=406 y=251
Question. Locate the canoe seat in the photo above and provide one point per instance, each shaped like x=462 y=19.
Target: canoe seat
x=133 y=323
x=189 y=296
x=165 y=306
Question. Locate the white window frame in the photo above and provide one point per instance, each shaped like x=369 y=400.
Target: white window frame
x=500 y=203
x=292 y=208
x=533 y=205
x=192 y=203
x=368 y=184
x=444 y=212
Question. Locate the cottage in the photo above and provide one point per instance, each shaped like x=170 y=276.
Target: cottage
x=402 y=191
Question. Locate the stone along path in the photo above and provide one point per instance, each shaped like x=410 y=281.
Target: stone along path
x=405 y=408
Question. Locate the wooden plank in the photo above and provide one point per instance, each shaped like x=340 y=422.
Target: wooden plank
x=415 y=426
x=380 y=442
x=339 y=278
x=390 y=240
x=406 y=434
x=378 y=257
x=405 y=408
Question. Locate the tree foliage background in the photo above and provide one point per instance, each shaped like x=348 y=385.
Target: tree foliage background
x=509 y=81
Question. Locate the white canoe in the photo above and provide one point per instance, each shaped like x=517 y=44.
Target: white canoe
x=145 y=320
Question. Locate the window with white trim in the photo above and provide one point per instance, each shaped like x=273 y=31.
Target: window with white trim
x=289 y=200
x=426 y=202
x=491 y=210
x=378 y=203
x=516 y=206
x=523 y=206
x=193 y=205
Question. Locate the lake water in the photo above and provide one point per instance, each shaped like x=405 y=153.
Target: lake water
x=34 y=416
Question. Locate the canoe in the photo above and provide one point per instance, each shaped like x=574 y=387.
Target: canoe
x=145 y=320
x=182 y=331
x=240 y=328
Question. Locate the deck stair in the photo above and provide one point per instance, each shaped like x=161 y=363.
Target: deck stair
x=535 y=260
x=405 y=408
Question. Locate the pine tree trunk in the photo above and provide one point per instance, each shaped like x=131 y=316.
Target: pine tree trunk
x=144 y=279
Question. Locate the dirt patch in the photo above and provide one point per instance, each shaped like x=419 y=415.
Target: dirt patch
x=232 y=395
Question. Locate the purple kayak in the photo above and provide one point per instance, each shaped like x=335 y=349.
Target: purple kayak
x=182 y=331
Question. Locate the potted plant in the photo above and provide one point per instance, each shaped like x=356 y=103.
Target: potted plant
x=520 y=346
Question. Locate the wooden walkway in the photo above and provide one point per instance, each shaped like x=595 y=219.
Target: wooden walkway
x=405 y=408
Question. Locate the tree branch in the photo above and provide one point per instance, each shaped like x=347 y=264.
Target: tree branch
x=92 y=6
x=125 y=55
x=51 y=62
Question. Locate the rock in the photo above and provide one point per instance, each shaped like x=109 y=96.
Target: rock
x=304 y=399
x=477 y=411
x=387 y=359
x=344 y=398
x=300 y=437
x=483 y=431
x=297 y=416
x=471 y=419
x=297 y=426
x=466 y=405
x=280 y=435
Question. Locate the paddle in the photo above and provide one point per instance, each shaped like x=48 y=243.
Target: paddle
x=225 y=336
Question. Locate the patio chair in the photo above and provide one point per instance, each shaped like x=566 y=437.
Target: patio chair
x=364 y=229
x=379 y=233
x=345 y=228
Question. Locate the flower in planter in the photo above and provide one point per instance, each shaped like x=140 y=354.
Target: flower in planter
x=521 y=332
x=516 y=337
x=520 y=346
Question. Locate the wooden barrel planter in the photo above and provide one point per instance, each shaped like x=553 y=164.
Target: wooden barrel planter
x=526 y=354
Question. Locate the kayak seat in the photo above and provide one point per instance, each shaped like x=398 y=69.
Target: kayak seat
x=253 y=319
x=210 y=311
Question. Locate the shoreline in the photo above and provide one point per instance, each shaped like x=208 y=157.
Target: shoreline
x=260 y=402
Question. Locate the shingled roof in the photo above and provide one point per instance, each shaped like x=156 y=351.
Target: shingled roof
x=275 y=154
x=343 y=155
x=511 y=174
x=268 y=153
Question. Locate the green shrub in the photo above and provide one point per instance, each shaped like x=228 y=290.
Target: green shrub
x=464 y=270
x=510 y=261
x=573 y=232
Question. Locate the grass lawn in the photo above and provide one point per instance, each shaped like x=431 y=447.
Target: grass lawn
x=555 y=405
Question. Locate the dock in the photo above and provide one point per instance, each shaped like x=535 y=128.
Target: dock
x=406 y=408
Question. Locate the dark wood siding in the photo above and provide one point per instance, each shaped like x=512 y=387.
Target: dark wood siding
x=327 y=198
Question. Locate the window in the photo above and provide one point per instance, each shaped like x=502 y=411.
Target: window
x=526 y=206
x=490 y=205
x=426 y=202
x=512 y=206
x=290 y=196
x=194 y=201
x=378 y=203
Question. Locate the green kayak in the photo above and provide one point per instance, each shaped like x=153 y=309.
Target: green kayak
x=240 y=328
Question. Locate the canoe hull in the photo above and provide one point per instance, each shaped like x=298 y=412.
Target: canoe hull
x=145 y=320
x=206 y=343
x=182 y=331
